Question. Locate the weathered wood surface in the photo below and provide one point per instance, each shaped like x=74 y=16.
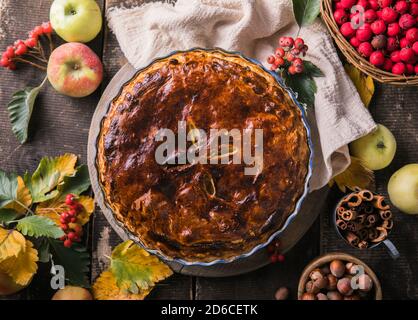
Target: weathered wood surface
x=60 y=124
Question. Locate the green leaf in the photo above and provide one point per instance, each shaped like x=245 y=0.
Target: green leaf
x=38 y=226
x=311 y=70
x=42 y=245
x=8 y=188
x=305 y=11
x=304 y=86
x=7 y=215
x=50 y=173
x=75 y=261
x=20 y=110
x=76 y=184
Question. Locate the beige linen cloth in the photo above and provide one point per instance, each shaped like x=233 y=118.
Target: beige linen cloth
x=148 y=31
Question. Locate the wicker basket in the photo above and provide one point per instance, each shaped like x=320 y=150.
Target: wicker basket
x=353 y=57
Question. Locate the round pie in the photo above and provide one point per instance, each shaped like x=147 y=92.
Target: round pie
x=198 y=211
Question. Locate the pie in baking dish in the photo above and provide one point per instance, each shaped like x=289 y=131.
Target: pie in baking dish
x=202 y=212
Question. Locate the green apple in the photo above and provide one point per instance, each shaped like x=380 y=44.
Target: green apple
x=76 y=20
x=403 y=188
x=376 y=150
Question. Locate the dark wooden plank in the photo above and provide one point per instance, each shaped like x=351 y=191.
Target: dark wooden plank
x=59 y=125
x=395 y=108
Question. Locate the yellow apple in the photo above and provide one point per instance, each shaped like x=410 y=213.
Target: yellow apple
x=403 y=188
x=376 y=150
x=76 y=20
x=72 y=293
x=7 y=285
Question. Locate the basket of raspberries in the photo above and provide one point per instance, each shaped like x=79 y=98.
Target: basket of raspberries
x=380 y=37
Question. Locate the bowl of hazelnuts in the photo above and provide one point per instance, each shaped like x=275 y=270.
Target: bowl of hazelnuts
x=338 y=276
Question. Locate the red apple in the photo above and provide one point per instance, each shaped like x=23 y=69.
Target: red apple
x=75 y=70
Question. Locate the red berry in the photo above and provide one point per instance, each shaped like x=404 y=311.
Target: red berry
x=21 y=49
x=31 y=42
x=364 y=33
x=401 y=7
x=79 y=207
x=412 y=35
x=406 y=54
x=278 y=61
x=290 y=57
x=374 y=5
x=63 y=220
x=295 y=52
x=377 y=58
x=398 y=68
x=340 y=16
x=280 y=52
x=378 y=27
x=46 y=27
x=273 y=258
x=73 y=219
x=347 y=30
x=10 y=52
x=304 y=49
x=292 y=70
x=416 y=69
x=409 y=68
x=363 y=3
x=406 y=21
x=338 y=6
x=77 y=239
x=384 y=3
x=286 y=42
x=392 y=44
x=38 y=31
x=270 y=59
x=389 y=15
x=4 y=62
x=64 y=226
x=69 y=199
x=299 y=43
x=280 y=258
x=78 y=229
x=299 y=68
x=414 y=9
x=71 y=235
x=387 y=65
x=347 y=4
x=355 y=42
x=72 y=213
x=68 y=243
x=33 y=35
x=370 y=15
x=273 y=67
x=365 y=49
x=379 y=41
x=403 y=43
x=395 y=57
x=415 y=48
x=393 y=29
x=379 y=14
x=63 y=237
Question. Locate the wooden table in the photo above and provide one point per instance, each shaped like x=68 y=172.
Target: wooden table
x=61 y=124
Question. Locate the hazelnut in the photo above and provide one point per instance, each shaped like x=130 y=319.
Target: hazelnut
x=308 y=296
x=282 y=293
x=316 y=274
x=352 y=297
x=311 y=288
x=365 y=282
x=321 y=296
x=344 y=286
x=321 y=283
x=337 y=268
x=332 y=282
x=325 y=270
x=334 y=295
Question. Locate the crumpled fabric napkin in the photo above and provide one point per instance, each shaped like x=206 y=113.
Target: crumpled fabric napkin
x=148 y=31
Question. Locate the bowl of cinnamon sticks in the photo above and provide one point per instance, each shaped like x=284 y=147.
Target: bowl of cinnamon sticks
x=364 y=220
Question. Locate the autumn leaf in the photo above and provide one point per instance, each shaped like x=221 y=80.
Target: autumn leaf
x=23 y=266
x=75 y=184
x=356 y=175
x=105 y=288
x=363 y=83
x=49 y=174
x=38 y=226
x=12 y=243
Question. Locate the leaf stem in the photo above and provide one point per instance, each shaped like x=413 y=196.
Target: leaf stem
x=51 y=43
x=36 y=57
x=31 y=63
x=23 y=206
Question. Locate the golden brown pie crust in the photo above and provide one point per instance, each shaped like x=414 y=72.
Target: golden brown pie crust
x=167 y=207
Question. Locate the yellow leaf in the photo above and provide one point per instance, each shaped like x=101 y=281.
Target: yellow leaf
x=105 y=288
x=23 y=266
x=356 y=175
x=12 y=243
x=53 y=208
x=22 y=195
x=363 y=83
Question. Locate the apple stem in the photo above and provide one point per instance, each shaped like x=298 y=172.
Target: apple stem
x=30 y=63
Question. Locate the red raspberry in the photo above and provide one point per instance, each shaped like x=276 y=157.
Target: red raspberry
x=403 y=43
x=389 y=15
x=414 y=9
x=378 y=27
x=406 y=54
x=370 y=16
x=21 y=49
x=406 y=21
x=347 y=30
x=384 y=3
x=412 y=35
x=4 y=62
x=347 y=4
x=393 y=29
x=279 y=52
x=355 y=42
x=415 y=47
x=401 y=6
x=395 y=57
x=31 y=42
x=379 y=42
x=46 y=27
x=271 y=59
x=377 y=58
x=374 y=5
x=392 y=44
x=365 y=49
x=69 y=199
x=68 y=243
x=409 y=68
x=387 y=65
x=299 y=43
x=278 y=61
x=398 y=68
